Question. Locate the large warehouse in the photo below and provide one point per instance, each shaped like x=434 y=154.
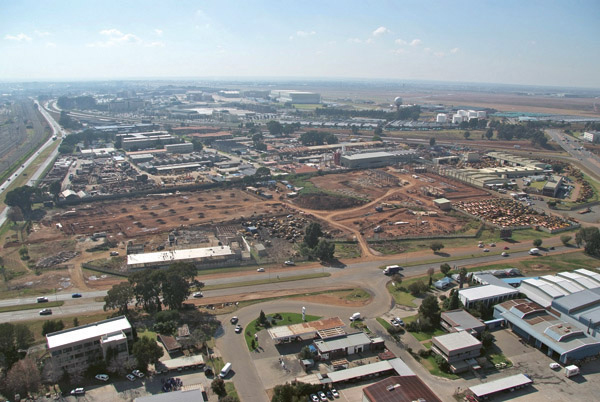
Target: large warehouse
x=545 y=289
x=298 y=97
x=369 y=160
x=556 y=337
x=162 y=259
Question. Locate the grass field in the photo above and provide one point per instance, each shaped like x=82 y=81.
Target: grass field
x=31 y=306
x=422 y=336
x=231 y=391
x=357 y=294
x=286 y=319
x=538 y=184
x=346 y=250
x=384 y=323
x=400 y=297
x=267 y=280
x=430 y=364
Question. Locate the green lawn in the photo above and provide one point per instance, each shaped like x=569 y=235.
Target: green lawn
x=149 y=334
x=538 y=184
x=347 y=250
x=230 y=388
x=422 y=336
x=358 y=294
x=31 y=306
x=400 y=297
x=286 y=319
x=384 y=323
x=496 y=358
x=430 y=364
x=267 y=280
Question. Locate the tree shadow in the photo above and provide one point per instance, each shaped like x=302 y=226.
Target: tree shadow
x=442 y=254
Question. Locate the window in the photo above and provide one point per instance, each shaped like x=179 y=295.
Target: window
x=67 y=350
x=77 y=347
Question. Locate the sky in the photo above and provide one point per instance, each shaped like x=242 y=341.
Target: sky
x=529 y=42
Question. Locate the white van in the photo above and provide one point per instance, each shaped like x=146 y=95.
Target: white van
x=355 y=316
x=534 y=251
x=225 y=370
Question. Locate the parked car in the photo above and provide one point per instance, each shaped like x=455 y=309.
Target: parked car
x=492 y=244
x=322 y=396
x=76 y=295
x=114 y=253
x=234 y=320
x=480 y=245
x=137 y=373
x=102 y=377
x=399 y=321
x=78 y=391
x=554 y=366
x=130 y=377
x=260 y=270
x=314 y=398
x=506 y=247
x=238 y=329
x=329 y=394
x=198 y=295
x=486 y=250
x=289 y=262
x=46 y=311
x=394 y=323
x=504 y=254
x=335 y=393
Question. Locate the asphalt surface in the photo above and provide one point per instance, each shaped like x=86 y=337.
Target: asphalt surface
x=56 y=131
x=590 y=160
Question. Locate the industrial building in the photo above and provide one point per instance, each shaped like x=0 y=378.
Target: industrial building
x=377 y=159
x=488 y=389
x=581 y=309
x=592 y=136
x=487 y=294
x=441 y=118
x=515 y=160
x=443 y=203
x=150 y=139
x=299 y=97
x=552 y=186
x=182 y=148
x=545 y=289
x=207 y=256
x=73 y=349
x=335 y=348
x=461 y=320
x=542 y=328
x=456 y=348
x=399 y=389
x=324 y=329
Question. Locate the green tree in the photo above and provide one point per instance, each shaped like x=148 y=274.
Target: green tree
x=147 y=286
x=262 y=318
x=176 y=284
x=218 y=387
x=487 y=339
x=417 y=288
x=146 y=351
x=305 y=353
x=21 y=197
x=14 y=214
x=119 y=297
x=378 y=131
x=466 y=134
x=430 y=310
x=489 y=133
x=54 y=189
x=274 y=127
x=436 y=246
x=565 y=239
x=537 y=242
x=431 y=142
x=592 y=246
x=23 y=378
x=462 y=277
x=325 y=250
x=585 y=234
x=558 y=168
x=312 y=233
x=454 y=301
x=445 y=268
x=52 y=326
x=75 y=322
x=262 y=172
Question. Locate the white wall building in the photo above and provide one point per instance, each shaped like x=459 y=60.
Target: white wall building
x=441 y=118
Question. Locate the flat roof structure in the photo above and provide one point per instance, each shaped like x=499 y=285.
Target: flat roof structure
x=562 y=283
x=541 y=292
x=502 y=384
x=172 y=256
x=485 y=294
x=308 y=328
x=197 y=394
x=582 y=280
x=399 y=389
x=183 y=361
x=457 y=340
x=461 y=320
x=369 y=369
x=345 y=342
x=590 y=274
x=89 y=331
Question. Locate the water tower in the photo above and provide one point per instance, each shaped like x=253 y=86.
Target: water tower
x=398 y=102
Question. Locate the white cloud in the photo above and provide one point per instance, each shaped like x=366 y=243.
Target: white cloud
x=155 y=44
x=454 y=50
x=18 y=37
x=401 y=42
x=115 y=37
x=415 y=42
x=355 y=40
x=302 y=34
x=159 y=32
x=41 y=33
x=380 y=31
x=50 y=44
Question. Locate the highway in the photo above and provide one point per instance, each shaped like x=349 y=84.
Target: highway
x=56 y=131
x=367 y=275
x=576 y=150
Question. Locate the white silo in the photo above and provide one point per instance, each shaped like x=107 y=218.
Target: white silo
x=471 y=114
x=462 y=113
x=457 y=119
x=441 y=118
x=398 y=102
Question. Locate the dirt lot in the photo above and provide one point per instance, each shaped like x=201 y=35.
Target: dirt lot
x=157 y=214
x=406 y=202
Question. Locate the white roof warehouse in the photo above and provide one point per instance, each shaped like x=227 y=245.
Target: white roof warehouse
x=165 y=258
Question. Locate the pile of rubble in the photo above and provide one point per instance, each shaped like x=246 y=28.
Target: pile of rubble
x=59 y=258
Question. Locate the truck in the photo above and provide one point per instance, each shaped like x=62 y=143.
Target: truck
x=392 y=269
x=534 y=251
x=572 y=370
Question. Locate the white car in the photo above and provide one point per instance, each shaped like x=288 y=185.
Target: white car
x=289 y=262
x=102 y=377
x=198 y=295
x=78 y=391
x=486 y=250
x=554 y=366
x=335 y=393
x=137 y=373
x=504 y=254
x=260 y=270
x=130 y=377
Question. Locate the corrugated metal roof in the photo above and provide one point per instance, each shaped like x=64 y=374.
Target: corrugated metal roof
x=500 y=385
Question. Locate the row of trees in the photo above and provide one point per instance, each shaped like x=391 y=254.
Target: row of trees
x=153 y=288
x=404 y=113
x=314 y=245
x=317 y=138
x=590 y=238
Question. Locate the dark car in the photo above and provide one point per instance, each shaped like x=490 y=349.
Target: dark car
x=76 y=295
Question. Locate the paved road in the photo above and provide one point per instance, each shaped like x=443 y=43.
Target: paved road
x=576 y=150
x=56 y=131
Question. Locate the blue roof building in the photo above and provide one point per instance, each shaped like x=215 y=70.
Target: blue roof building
x=443 y=283
x=556 y=337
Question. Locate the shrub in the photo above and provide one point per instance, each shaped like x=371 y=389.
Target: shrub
x=424 y=353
